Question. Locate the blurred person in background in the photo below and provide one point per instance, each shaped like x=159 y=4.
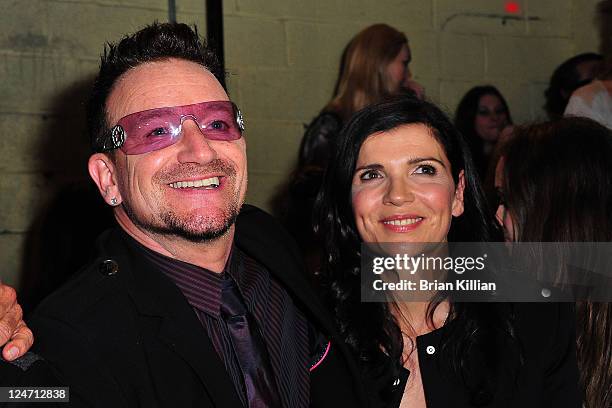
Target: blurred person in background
x=577 y=71
x=595 y=99
x=481 y=116
x=374 y=66
x=554 y=184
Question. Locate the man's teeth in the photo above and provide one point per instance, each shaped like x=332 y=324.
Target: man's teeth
x=212 y=182
x=405 y=221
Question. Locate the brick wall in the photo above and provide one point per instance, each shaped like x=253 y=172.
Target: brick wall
x=282 y=57
x=285 y=74
x=49 y=53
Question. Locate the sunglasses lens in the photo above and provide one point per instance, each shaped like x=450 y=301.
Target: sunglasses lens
x=156 y=129
x=148 y=134
x=219 y=121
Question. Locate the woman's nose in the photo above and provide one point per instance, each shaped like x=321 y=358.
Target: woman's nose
x=398 y=193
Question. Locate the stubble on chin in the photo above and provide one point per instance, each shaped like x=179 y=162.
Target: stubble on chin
x=200 y=228
x=196 y=227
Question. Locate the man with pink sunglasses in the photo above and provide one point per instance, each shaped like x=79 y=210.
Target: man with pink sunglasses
x=195 y=299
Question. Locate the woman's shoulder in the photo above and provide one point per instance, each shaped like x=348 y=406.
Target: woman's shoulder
x=592 y=100
x=325 y=122
x=319 y=138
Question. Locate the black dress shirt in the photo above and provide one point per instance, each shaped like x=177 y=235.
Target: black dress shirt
x=283 y=326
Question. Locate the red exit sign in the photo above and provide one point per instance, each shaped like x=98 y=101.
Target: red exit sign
x=512 y=7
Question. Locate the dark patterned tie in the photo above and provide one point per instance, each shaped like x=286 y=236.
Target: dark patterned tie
x=249 y=348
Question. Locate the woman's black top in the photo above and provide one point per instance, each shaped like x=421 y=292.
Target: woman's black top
x=537 y=369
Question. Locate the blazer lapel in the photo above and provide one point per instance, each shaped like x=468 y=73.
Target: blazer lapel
x=182 y=332
x=277 y=253
x=165 y=315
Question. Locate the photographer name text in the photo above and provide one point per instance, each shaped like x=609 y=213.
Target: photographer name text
x=468 y=285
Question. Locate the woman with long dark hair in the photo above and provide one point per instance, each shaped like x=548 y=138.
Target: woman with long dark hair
x=555 y=181
x=402 y=173
x=481 y=116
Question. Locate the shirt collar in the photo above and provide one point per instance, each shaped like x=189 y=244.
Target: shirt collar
x=200 y=286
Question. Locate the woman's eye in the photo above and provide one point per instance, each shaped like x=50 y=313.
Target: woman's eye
x=426 y=169
x=369 y=175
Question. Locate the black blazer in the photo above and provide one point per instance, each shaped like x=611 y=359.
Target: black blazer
x=545 y=341
x=129 y=338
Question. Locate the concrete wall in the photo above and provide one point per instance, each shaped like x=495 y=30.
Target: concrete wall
x=49 y=53
x=282 y=57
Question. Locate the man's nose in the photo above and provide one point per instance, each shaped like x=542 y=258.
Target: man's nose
x=398 y=193
x=195 y=147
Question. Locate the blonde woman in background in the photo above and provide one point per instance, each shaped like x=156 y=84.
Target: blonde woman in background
x=374 y=66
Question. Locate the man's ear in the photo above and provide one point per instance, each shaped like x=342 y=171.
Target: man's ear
x=103 y=172
x=458 y=200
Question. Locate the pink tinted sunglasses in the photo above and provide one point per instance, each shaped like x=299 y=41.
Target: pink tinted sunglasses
x=154 y=129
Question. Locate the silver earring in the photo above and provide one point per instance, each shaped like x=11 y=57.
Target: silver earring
x=113 y=201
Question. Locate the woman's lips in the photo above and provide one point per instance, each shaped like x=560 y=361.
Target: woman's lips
x=402 y=223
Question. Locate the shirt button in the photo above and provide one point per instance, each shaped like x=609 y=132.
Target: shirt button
x=109 y=267
x=430 y=350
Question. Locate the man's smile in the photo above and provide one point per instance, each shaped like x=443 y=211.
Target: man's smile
x=207 y=183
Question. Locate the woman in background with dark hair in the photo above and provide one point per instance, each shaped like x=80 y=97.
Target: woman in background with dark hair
x=481 y=115
x=555 y=184
x=403 y=174
x=374 y=66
